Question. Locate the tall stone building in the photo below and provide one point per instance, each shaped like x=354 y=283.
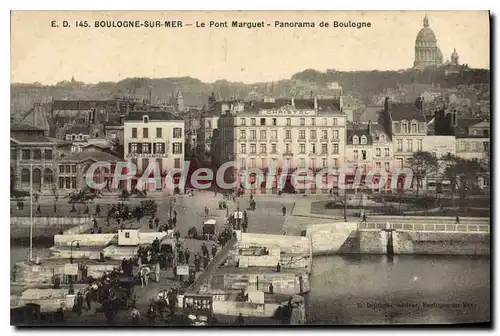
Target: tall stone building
x=427 y=53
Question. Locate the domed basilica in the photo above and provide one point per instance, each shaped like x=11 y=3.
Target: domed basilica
x=427 y=52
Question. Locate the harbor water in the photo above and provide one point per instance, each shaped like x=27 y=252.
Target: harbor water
x=369 y=289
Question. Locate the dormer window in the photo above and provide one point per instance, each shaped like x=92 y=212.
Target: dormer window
x=355 y=140
x=73 y=137
x=414 y=127
x=80 y=136
x=404 y=128
x=96 y=134
x=381 y=138
x=363 y=140
x=145 y=119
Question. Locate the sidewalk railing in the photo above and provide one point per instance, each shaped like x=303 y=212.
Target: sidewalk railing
x=437 y=227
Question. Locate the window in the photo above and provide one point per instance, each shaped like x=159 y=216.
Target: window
x=263 y=163
x=288 y=121
x=302 y=121
x=419 y=145
x=68 y=169
x=386 y=166
x=253 y=148
x=145 y=132
x=61 y=182
x=253 y=134
x=209 y=124
x=263 y=148
x=355 y=140
x=413 y=128
x=302 y=134
x=243 y=163
x=275 y=122
x=37 y=154
x=302 y=148
x=335 y=122
x=324 y=122
x=313 y=163
x=324 y=163
x=133 y=148
x=243 y=148
x=355 y=155
x=61 y=169
x=324 y=134
x=26 y=154
x=378 y=165
x=25 y=176
x=381 y=138
x=134 y=132
x=145 y=164
x=113 y=135
x=288 y=134
x=335 y=148
x=243 y=134
x=159 y=148
x=386 y=152
x=262 y=121
x=486 y=146
x=335 y=134
x=486 y=133
x=404 y=128
x=324 y=148
x=313 y=121
x=287 y=148
x=47 y=154
x=252 y=163
x=177 y=163
x=409 y=145
x=302 y=162
x=363 y=155
x=146 y=148
x=399 y=145
x=252 y=121
x=73 y=137
x=73 y=182
x=335 y=163
x=313 y=134
x=177 y=148
x=273 y=148
x=263 y=134
x=177 y=132
x=363 y=140
x=313 y=148
x=127 y=235
x=243 y=121
x=378 y=152
x=145 y=119
x=73 y=169
x=274 y=134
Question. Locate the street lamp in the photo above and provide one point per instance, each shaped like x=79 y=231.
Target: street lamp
x=71 y=288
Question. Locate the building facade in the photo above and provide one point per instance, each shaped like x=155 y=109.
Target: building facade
x=283 y=133
x=32 y=153
x=153 y=137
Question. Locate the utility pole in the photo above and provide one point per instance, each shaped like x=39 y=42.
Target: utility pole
x=31 y=212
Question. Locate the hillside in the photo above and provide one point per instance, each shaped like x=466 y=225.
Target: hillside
x=361 y=84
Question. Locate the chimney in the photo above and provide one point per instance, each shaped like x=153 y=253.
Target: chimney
x=386 y=105
x=315 y=102
x=293 y=101
x=369 y=128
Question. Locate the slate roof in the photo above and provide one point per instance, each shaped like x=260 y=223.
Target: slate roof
x=359 y=131
x=24 y=127
x=77 y=129
x=369 y=113
x=95 y=155
x=136 y=116
x=35 y=138
x=405 y=111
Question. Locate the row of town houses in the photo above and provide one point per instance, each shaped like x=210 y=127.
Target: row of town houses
x=55 y=144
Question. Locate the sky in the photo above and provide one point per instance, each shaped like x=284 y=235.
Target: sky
x=46 y=54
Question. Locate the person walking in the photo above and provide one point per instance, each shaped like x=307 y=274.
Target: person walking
x=187 y=255
x=283 y=210
x=214 y=250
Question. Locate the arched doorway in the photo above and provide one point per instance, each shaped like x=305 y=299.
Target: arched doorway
x=48 y=177
x=37 y=179
x=25 y=178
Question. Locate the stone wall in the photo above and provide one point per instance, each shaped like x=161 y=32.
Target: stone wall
x=97 y=239
x=441 y=243
x=286 y=244
x=43 y=226
x=234 y=308
x=330 y=238
x=283 y=283
x=372 y=241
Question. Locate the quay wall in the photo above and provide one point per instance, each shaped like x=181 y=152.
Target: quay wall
x=43 y=226
x=286 y=244
x=283 y=282
x=234 y=308
x=96 y=239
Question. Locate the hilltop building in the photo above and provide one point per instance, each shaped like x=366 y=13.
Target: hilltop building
x=427 y=52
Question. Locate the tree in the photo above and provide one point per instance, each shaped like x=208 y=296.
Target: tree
x=422 y=164
x=463 y=173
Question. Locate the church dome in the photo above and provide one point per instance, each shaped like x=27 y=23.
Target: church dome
x=454 y=54
x=426 y=34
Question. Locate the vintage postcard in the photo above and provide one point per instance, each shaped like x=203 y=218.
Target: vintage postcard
x=250 y=168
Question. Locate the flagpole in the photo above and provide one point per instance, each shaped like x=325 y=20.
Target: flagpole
x=31 y=212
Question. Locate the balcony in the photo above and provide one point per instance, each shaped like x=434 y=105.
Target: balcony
x=274 y=139
x=335 y=139
x=287 y=154
x=323 y=140
x=288 y=139
x=302 y=140
x=242 y=139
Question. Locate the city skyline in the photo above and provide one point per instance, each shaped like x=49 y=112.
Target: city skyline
x=243 y=55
